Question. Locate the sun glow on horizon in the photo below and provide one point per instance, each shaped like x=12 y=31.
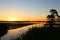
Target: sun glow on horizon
x=12 y=19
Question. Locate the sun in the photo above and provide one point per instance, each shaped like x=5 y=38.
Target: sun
x=12 y=19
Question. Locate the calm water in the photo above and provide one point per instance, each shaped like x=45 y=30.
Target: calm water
x=14 y=33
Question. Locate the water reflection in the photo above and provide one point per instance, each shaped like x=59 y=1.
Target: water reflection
x=14 y=33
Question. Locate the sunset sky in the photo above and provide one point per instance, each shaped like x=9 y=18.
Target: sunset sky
x=27 y=10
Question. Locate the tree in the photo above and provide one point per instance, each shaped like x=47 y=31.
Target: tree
x=54 y=12
x=51 y=17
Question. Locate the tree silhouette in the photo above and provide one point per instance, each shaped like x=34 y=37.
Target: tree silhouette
x=52 y=17
x=3 y=29
x=53 y=11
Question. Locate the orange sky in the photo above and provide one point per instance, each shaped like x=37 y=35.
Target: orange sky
x=27 y=10
x=23 y=19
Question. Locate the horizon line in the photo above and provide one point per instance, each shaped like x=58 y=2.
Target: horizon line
x=28 y=21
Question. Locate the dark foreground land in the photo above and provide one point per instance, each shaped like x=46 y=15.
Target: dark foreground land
x=34 y=33
x=44 y=33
